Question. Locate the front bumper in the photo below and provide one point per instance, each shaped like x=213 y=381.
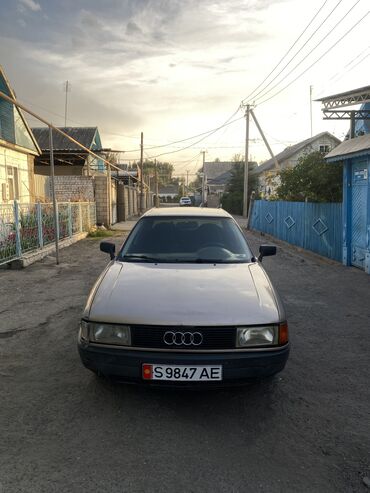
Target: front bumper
x=238 y=366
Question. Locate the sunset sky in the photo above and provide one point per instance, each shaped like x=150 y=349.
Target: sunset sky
x=176 y=68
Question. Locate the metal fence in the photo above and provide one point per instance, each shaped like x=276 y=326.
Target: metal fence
x=313 y=226
x=28 y=227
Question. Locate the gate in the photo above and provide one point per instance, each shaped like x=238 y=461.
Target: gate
x=360 y=174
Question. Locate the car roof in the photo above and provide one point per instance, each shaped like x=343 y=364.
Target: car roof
x=188 y=211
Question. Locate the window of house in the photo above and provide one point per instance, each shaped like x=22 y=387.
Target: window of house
x=12 y=178
x=324 y=148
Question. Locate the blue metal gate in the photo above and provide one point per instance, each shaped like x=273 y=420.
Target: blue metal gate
x=360 y=173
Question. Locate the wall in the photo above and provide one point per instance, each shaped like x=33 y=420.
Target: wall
x=59 y=170
x=101 y=198
x=313 y=226
x=23 y=163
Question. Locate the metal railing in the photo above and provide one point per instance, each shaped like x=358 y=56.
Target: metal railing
x=29 y=227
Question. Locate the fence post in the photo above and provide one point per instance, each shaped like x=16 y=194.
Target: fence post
x=39 y=224
x=18 y=245
x=80 y=215
x=70 y=232
x=88 y=217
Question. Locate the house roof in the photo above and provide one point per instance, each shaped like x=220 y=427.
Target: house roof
x=290 y=151
x=168 y=190
x=358 y=146
x=221 y=179
x=214 y=169
x=84 y=135
x=7 y=89
x=344 y=95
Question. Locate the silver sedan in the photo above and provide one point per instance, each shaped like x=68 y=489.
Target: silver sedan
x=184 y=302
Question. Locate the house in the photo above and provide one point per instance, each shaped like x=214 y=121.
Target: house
x=217 y=174
x=355 y=156
x=217 y=177
x=18 y=149
x=168 y=193
x=69 y=158
x=323 y=142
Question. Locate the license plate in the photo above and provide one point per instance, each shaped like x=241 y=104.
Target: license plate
x=182 y=373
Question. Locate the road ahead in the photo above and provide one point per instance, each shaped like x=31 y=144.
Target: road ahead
x=64 y=430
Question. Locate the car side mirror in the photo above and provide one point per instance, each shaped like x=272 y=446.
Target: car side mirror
x=108 y=247
x=266 y=251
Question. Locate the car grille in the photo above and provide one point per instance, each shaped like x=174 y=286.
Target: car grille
x=186 y=338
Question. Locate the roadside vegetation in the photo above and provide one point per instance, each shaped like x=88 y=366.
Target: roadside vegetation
x=232 y=199
x=313 y=179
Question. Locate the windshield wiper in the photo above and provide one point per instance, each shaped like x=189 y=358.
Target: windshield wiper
x=202 y=261
x=145 y=258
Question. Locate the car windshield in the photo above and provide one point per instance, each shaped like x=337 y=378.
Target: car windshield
x=189 y=239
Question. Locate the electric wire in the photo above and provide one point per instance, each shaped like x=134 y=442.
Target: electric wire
x=315 y=61
x=287 y=53
x=200 y=140
x=338 y=75
x=210 y=132
x=306 y=56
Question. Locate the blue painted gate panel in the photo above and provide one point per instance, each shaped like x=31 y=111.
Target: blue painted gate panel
x=316 y=227
x=360 y=177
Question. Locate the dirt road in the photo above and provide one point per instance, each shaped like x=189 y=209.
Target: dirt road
x=64 y=430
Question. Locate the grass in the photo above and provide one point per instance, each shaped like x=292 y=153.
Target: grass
x=101 y=233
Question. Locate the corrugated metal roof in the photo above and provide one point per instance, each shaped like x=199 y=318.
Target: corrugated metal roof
x=85 y=135
x=355 y=92
x=350 y=148
x=290 y=151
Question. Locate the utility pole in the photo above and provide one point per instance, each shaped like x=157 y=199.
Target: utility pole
x=156 y=183
x=142 y=174
x=264 y=139
x=311 y=108
x=203 y=178
x=55 y=205
x=187 y=179
x=245 y=196
x=67 y=89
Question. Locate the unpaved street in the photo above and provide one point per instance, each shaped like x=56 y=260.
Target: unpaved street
x=64 y=430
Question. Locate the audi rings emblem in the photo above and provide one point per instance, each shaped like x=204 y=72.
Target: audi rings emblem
x=182 y=338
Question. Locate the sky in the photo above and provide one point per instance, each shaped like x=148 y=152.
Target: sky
x=176 y=68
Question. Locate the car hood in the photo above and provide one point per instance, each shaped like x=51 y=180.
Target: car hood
x=183 y=294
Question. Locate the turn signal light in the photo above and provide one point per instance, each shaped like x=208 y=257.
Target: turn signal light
x=283 y=333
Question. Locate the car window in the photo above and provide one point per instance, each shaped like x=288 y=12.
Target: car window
x=186 y=239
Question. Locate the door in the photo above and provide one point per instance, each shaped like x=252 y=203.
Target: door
x=360 y=179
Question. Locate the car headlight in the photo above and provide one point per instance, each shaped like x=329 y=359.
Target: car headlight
x=257 y=336
x=110 y=334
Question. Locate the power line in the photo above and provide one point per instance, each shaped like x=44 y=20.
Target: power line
x=200 y=140
x=212 y=131
x=264 y=93
x=287 y=53
x=317 y=60
x=338 y=75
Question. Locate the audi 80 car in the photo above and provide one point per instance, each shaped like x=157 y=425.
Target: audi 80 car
x=184 y=301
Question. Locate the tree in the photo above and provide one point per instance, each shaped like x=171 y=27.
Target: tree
x=232 y=199
x=313 y=179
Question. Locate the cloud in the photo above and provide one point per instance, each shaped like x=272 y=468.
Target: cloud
x=31 y=4
x=133 y=28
